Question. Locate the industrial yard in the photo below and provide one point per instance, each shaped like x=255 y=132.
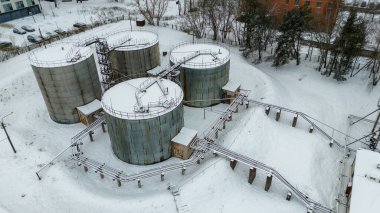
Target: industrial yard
x=123 y=118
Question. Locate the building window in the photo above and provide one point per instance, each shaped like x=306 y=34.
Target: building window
x=319 y=4
x=19 y=4
x=307 y=3
x=7 y=7
x=30 y=2
x=330 y=5
x=296 y=2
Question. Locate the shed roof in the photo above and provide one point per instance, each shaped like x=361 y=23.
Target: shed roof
x=90 y=108
x=231 y=86
x=366 y=186
x=185 y=136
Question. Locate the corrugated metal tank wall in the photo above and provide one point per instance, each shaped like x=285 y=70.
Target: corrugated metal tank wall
x=67 y=87
x=135 y=62
x=145 y=141
x=204 y=84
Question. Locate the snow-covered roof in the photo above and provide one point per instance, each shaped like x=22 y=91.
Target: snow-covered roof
x=90 y=107
x=231 y=86
x=58 y=55
x=202 y=56
x=366 y=186
x=185 y=136
x=132 y=40
x=155 y=71
x=121 y=100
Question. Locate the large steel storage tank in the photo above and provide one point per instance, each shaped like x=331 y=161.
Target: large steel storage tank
x=143 y=115
x=67 y=77
x=204 y=72
x=133 y=52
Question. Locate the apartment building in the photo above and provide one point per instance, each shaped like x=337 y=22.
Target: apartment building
x=323 y=12
x=14 y=9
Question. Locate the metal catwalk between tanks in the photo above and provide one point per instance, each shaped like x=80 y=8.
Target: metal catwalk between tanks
x=202 y=147
x=198 y=154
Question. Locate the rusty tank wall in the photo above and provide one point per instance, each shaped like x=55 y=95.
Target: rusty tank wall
x=135 y=62
x=203 y=84
x=145 y=141
x=66 y=87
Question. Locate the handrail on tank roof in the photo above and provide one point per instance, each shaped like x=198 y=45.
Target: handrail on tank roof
x=117 y=44
x=141 y=115
x=148 y=44
x=200 y=65
x=174 y=102
x=139 y=107
x=80 y=44
x=58 y=63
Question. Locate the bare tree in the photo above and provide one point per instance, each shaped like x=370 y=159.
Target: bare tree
x=196 y=21
x=162 y=6
x=212 y=9
x=216 y=14
x=324 y=36
x=152 y=10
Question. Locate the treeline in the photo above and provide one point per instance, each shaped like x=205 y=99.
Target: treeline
x=255 y=30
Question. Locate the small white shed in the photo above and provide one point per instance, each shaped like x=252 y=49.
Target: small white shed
x=181 y=143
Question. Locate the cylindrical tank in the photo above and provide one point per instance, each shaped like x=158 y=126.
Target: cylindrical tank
x=204 y=72
x=133 y=52
x=143 y=115
x=67 y=77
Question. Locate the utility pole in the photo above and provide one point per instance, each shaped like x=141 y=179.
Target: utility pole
x=179 y=7
x=130 y=20
x=377 y=119
x=193 y=34
x=43 y=39
x=184 y=7
x=39 y=4
x=31 y=14
x=5 y=130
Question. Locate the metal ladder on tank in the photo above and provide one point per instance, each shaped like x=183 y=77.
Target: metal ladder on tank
x=104 y=61
x=102 y=50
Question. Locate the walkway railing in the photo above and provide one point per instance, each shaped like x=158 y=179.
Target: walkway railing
x=201 y=147
x=256 y=164
x=74 y=141
x=199 y=153
x=313 y=122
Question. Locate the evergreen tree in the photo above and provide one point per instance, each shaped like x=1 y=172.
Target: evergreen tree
x=248 y=15
x=258 y=27
x=289 y=42
x=346 y=46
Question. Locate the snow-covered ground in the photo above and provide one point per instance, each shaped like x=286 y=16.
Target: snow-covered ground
x=304 y=159
x=62 y=17
x=69 y=13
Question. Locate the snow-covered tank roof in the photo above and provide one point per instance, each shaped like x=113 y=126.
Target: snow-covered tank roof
x=58 y=55
x=199 y=56
x=142 y=98
x=132 y=40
